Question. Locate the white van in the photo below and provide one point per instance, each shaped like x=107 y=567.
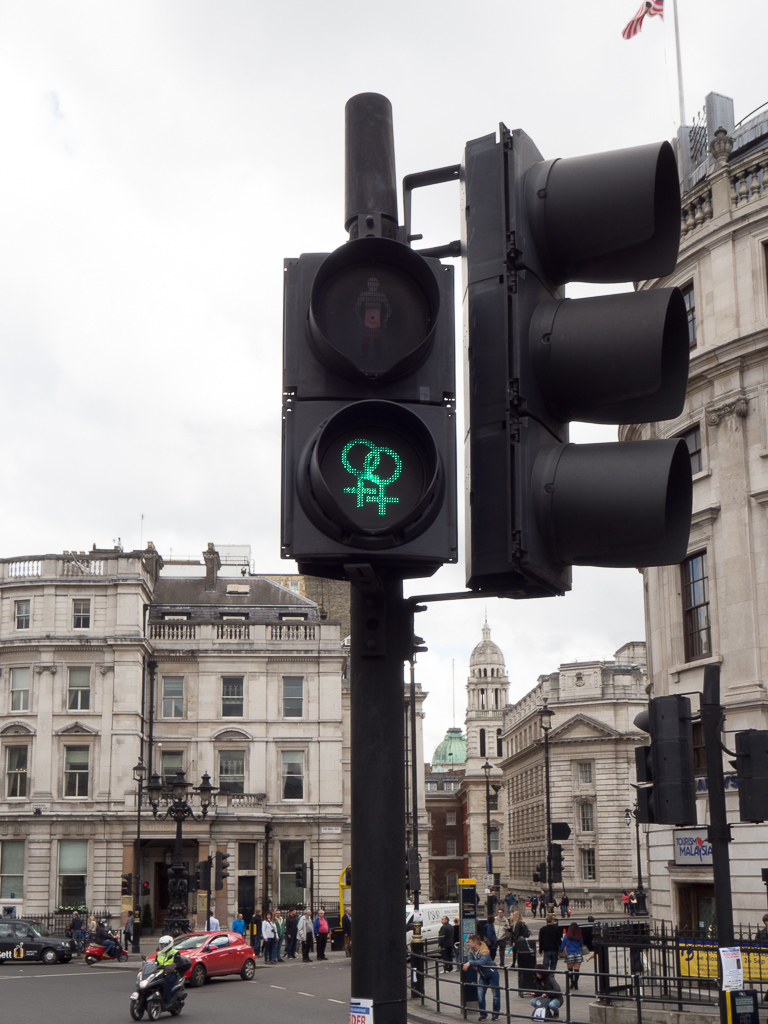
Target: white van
x=431 y=914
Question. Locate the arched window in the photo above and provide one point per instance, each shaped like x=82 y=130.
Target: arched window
x=482 y=743
x=482 y=700
x=499 y=746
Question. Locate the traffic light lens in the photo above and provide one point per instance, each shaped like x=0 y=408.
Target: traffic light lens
x=374 y=471
x=373 y=309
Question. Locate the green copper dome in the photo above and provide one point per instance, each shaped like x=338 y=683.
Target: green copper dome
x=452 y=750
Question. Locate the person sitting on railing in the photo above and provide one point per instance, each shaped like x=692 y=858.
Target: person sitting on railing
x=547 y=991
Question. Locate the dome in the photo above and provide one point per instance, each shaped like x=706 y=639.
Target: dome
x=486 y=653
x=452 y=750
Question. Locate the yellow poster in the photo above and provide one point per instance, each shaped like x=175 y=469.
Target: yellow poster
x=700 y=961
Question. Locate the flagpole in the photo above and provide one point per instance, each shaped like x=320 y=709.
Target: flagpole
x=680 y=93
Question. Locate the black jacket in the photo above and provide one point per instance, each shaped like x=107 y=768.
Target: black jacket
x=445 y=936
x=346 y=925
x=549 y=938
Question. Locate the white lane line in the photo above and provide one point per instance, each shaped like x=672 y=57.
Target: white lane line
x=337 y=1001
x=20 y=977
x=278 y=986
x=310 y=994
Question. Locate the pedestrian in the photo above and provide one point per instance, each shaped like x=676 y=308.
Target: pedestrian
x=279 y=922
x=487 y=975
x=76 y=927
x=291 y=934
x=542 y=903
x=632 y=903
x=487 y=931
x=564 y=904
x=547 y=991
x=256 y=934
x=573 y=944
x=534 y=904
x=549 y=942
x=238 y=925
x=306 y=936
x=762 y=933
x=524 y=953
x=321 y=934
x=128 y=930
x=269 y=937
x=457 y=951
x=346 y=928
x=510 y=900
x=445 y=942
x=213 y=924
x=501 y=924
x=625 y=901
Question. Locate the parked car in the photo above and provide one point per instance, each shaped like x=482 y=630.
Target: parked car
x=213 y=954
x=21 y=940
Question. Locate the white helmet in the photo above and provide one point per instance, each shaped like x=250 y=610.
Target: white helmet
x=164 y=943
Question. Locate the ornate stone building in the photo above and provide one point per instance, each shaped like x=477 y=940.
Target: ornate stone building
x=445 y=810
x=713 y=609
x=111 y=656
x=592 y=768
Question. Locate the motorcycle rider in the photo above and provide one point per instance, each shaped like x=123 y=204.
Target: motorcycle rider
x=166 y=957
x=104 y=938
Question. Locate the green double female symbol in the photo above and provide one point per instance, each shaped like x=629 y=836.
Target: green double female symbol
x=370 y=487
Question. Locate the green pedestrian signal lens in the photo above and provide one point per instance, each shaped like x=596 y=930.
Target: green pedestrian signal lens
x=371 y=485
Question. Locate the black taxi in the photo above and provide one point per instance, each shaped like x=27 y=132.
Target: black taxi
x=21 y=940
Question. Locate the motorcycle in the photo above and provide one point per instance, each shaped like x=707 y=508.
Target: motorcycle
x=150 y=990
x=94 y=952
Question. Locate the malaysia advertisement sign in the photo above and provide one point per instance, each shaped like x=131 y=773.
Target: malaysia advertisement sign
x=692 y=847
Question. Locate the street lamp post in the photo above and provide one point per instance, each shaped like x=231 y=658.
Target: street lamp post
x=177 y=921
x=545 y=719
x=140 y=771
x=488 y=768
x=642 y=909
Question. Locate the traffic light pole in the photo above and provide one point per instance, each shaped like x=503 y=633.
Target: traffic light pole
x=377 y=758
x=719 y=831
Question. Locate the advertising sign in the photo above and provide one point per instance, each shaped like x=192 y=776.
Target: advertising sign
x=692 y=847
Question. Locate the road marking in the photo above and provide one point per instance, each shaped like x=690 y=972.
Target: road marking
x=278 y=986
x=68 y=975
x=310 y=994
x=337 y=1001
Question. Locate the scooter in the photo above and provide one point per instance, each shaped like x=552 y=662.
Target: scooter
x=150 y=990
x=94 y=952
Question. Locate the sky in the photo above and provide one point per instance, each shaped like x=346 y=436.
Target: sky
x=161 y=159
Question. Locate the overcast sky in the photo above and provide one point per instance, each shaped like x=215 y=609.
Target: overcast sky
x=160 y=159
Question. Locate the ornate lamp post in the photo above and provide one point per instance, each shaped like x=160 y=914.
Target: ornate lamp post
x=176 y=921
x=140 y=772
x=488 y=768
x=642 y=909
x=545 y=720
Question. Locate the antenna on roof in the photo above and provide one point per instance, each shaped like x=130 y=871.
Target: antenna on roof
x=453 y=689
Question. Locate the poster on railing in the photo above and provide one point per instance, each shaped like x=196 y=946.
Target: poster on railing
x=733 y=972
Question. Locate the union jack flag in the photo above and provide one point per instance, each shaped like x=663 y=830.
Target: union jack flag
x=650 y=7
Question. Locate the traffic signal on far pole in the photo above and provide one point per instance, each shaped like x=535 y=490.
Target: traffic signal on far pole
x=145 y=888
x=222 y=863
x=203 y=875
x=369 y=425
x=348 y=877
x=666 y=793
x=557 y=863
x=537 y=505
x=751 y=766
x=127 y=887
x=301 y=876
x=540 y=874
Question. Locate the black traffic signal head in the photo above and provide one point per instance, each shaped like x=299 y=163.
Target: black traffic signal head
x=127 y=886
x=348 y=876
x=203 y=875
x=665 y=769
x=752 y=770
x=556 y=858
x=536 y=361
x=301 y=876
x=540 y=874
x=222 y=863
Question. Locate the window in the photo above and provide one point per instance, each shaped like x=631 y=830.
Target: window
x=451 y=787
x=482 y=743
x=76 y=761
x=585 y=773
x=430 y=787
x=232 y=771
x=81 y=613
x=293 y=775
x=494 y=840
x=690 y=308
x=588 y=865
x=699 y=750
x=16 y=771
x=11 y=869
x=246 y=856
x=450 y=817
x=232 y=697
x=493 y=802
x=293 y=697
x=291 y=857
x=452 y=884
x=696 y=607
x=587 y=818
x=19 y=689
x=499 y=745
x=693 y=439
x=73 y=872
x=173 y=697
x=21 y=614
x=79 y=693
x=450 y=847
x=172 y=761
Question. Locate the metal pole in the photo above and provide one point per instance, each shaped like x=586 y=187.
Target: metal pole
x=379 y=648
x=489 y=857
x=719 y=831
x=642 y=907
x=550 y=894
x=414 y=777
x=137 y=877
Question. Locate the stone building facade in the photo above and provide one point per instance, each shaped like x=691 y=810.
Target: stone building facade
x=592 y=768
x=107 y=657
x=713 y=609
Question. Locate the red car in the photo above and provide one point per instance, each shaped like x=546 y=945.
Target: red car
x=213 y=954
